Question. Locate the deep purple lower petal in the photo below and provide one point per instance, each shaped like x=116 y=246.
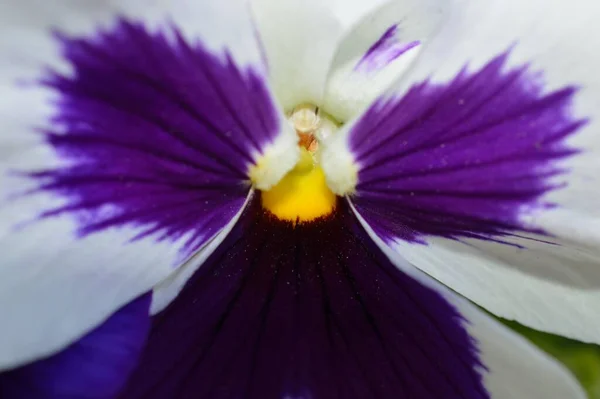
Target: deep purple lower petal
x=95 y=367
x=462 y=159
x=311 y=311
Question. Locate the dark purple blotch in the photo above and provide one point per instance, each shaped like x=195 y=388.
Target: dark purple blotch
x=312 y=310
x=156 y=132
x=95 y=367
x=384 y=51
x=462 y=159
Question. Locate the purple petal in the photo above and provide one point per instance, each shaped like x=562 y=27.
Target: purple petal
x=384 y=51
x=157 y=133
x=308 y=311
x=463 y=159
x=95 y=367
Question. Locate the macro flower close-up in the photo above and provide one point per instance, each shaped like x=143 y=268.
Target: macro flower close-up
x=297 y=199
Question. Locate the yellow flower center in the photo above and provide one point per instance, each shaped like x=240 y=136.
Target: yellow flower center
x=303 y=195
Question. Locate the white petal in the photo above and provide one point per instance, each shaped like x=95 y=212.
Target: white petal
x=55 y=286
x=550 y=288
x=300 y=38
x=352 y=86
x=516 y=369
x=348 y=13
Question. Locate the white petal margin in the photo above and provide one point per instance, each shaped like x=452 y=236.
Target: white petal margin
x=350 y=88
x=548 y=287
x=553 y=287
x=300 y=38
x=165 y=292
x=54 y=287
x=516 y=369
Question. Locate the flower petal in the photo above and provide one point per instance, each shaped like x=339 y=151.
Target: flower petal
x=309 y=310
x=559 y=281
x=514 y=368
x=377 y=51
x=121 y=154
x=300 y=39
x=168 y=289
x=495 y=142
x=463 y=159
x=95 y=367
x=549 y=287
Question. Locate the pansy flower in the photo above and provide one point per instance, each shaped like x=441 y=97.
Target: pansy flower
x=296 y=198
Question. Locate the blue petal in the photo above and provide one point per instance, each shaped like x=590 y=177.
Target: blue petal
x=95 y=367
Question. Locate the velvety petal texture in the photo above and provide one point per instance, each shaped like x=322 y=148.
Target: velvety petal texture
x=125 y=148
x=309 y=310
x=170 y=149
x=462 y=159
x=95 y=367
x=491 y=136
x=165 y=291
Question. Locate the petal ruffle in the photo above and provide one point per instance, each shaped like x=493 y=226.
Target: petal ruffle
x=95 y=367
x=121 y=154
x=494 y=139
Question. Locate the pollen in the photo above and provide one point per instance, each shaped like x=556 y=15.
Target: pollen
x=302 y=195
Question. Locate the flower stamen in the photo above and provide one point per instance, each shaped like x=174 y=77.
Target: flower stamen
x=307 y=121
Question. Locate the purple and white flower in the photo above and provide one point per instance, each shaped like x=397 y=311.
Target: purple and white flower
x=293 y=198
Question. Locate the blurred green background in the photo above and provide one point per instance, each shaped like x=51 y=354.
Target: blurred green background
x=582 y=359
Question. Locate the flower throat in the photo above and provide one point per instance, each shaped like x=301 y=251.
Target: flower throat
x=303 y=195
